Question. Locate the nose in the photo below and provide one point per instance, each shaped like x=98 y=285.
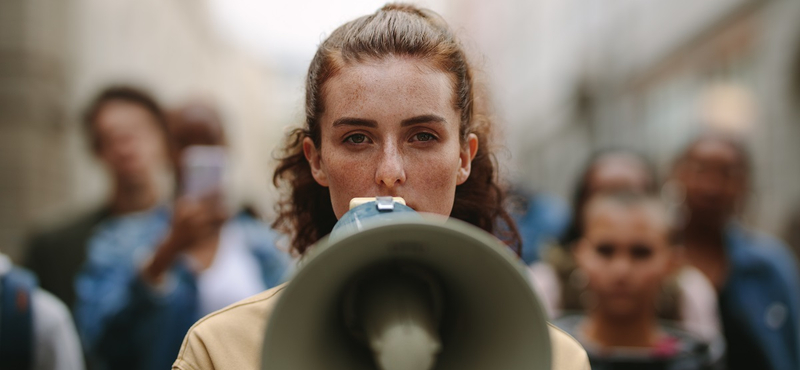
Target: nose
x=620 y=267
x=123 y=147
x=390 y=171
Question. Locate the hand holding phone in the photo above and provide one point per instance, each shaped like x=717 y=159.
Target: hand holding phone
x=203 y=170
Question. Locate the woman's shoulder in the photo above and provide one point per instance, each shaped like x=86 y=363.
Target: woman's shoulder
x=230 y=338
x=567 y=353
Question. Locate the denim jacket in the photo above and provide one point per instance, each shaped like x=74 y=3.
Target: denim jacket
x=762 y=296
x=544 y=221
x=127 y=324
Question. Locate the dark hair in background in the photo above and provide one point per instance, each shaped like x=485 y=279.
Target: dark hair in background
x=121 y=93
x=306 y=212
x=744 y=161
x=733 y=141
x=581 y=194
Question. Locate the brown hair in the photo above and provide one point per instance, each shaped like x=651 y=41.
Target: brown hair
x=582 y=192
x=306 y=212
x=126 y=94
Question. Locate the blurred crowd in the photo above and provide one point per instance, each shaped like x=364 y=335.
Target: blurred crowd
x=133 y=275
x=642 y=270
x=638 y=251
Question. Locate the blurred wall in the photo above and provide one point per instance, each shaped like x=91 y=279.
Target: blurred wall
x=58 y=53
x=569 y=77
x=33 y=123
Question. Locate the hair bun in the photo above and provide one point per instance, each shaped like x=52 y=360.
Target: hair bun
x=404 y=7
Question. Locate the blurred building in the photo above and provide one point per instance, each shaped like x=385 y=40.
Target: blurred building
x=572 y=76
x=56 y=54
x=567 y=76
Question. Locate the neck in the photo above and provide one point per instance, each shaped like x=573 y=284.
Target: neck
x=133 y=196
x=704 y=234
x=637 y=330
x=705 y=250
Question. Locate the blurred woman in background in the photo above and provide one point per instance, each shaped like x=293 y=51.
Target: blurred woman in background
x=687 y=297
x=628 y=251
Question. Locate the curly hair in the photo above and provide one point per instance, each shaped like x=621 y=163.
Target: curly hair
x=305 y=211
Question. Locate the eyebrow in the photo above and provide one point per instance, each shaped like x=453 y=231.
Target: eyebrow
x=351 y=121
x=428 y=118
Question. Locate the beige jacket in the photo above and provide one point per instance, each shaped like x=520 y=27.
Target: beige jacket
x=232 y=338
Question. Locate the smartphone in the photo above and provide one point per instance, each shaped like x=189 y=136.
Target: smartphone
x=204 y=169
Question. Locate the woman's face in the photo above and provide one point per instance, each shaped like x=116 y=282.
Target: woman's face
x=626 y=256
x=390 y=129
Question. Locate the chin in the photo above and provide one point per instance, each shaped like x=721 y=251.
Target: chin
x=621 y=309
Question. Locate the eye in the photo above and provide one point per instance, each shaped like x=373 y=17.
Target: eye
x=605 y=249
x=423 y=136
x=641 y=251
x=356 y=139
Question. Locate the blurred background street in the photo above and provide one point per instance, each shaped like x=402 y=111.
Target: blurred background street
x=566 y=78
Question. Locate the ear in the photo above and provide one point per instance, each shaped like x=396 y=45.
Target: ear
x=315 y=161
x=465 y=161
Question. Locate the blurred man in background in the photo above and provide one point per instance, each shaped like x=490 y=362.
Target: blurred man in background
x=792 y=231
x=150 y=276
x=755 y=276
x=127 y=132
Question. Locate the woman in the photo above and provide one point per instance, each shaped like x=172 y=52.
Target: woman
x=389 y=112
x=628 y=251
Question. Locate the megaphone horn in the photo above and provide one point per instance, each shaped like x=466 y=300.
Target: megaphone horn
x=392 y=289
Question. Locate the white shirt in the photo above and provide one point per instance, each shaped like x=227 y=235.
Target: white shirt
x=234 y=275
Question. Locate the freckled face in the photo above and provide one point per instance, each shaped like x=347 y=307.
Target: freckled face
x=390 y=129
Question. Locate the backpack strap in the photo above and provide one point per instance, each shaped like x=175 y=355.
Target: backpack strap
x=16 y=319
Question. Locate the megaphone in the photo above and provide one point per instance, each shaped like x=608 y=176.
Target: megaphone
x=392 y=289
